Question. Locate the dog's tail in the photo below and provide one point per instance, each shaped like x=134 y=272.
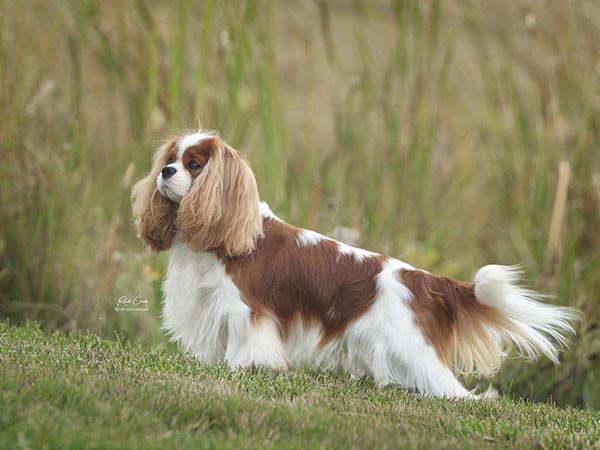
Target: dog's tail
x=474 y=326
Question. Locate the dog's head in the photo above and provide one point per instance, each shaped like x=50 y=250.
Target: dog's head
x=202 y=188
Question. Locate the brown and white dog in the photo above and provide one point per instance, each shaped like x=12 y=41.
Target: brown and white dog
x=245 y=287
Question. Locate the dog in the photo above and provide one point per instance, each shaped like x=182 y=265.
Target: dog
x=245 y=287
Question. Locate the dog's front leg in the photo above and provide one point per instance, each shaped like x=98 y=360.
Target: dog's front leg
x=254 y=341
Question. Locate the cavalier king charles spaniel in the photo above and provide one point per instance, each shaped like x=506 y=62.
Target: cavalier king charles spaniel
x=245 y=287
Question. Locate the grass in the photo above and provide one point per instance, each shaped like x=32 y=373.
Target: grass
x=434 y=129
x=62 y=390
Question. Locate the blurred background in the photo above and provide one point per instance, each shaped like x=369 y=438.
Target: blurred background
x=448 y=134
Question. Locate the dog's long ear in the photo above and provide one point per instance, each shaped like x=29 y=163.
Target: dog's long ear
x=222 y=211
x=153 y=213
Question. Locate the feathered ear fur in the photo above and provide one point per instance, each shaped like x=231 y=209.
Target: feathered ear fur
x=222 y=211
x=153 y=213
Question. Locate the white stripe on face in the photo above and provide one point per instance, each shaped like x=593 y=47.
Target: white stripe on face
x=179 y=184
x=187 y=141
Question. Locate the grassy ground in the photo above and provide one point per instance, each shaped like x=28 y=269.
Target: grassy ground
x=72 y=391
x=434 y=129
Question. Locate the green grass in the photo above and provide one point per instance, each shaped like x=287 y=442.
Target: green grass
x=79 y=391
x=435 y=129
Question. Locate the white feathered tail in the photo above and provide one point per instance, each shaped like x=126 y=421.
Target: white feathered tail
x=517 y=318
x=474 y=326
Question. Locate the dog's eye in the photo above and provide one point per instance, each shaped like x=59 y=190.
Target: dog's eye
x=170 y=160
x=193 y=165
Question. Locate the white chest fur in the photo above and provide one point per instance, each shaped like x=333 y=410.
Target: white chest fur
x=204 y=312
x=199 y=301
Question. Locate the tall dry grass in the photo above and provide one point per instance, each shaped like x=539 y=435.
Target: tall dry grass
x=436 y=129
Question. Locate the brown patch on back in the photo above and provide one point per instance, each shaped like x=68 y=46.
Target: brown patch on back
x=312 y=283
x=455 y=323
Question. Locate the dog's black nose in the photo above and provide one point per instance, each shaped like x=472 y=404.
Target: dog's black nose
x=168 y=172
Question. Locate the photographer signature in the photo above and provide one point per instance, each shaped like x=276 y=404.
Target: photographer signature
x=138 y=303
